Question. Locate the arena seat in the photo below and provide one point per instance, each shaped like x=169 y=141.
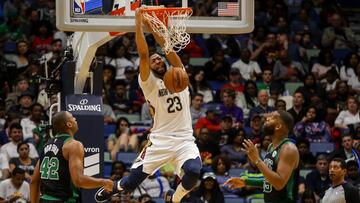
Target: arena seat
x=109 y=129
x=321 y=147
x=235 y=172
x=126 y=157
x=107 y=170
x=198 y=61
x=158 y=200
x=234 y=200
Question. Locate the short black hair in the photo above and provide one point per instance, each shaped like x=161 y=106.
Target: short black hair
x=351 y=163
x=341 y=161
x=21 y=144
x=16 y=126
x=17 y=170
x=55 y=41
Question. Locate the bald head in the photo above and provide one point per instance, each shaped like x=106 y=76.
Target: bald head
x=59 y=121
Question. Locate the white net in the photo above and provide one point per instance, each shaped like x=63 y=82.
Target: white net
x=171 y=26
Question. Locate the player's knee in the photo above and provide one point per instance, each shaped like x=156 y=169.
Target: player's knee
x=131 y=182
x=191 y=169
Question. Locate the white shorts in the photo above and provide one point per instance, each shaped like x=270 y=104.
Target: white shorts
x=153 y=156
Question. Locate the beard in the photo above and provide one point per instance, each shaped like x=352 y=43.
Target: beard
x=269 y=130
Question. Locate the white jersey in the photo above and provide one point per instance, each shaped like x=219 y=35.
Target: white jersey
x=172 y=118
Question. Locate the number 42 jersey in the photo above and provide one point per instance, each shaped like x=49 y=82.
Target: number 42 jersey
x=170 y=111
x=55 y=183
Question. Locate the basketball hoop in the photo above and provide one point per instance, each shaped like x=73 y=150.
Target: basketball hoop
x=169 y=23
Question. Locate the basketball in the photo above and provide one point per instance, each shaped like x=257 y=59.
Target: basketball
x=176 y=79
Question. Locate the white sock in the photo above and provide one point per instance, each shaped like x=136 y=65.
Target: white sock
x=179 y=193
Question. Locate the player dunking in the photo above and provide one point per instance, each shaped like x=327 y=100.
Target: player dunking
x=171 y=138
x=281 y=164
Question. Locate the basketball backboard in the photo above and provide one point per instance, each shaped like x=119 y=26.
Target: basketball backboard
x=218 y=17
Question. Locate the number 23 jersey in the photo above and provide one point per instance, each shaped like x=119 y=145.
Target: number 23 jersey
x=170 y=111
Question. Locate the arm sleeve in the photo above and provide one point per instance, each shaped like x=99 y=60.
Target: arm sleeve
x=254 y=181
x=340 y=118
x=351 y=193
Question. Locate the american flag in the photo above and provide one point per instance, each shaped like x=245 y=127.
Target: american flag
x=228 y=9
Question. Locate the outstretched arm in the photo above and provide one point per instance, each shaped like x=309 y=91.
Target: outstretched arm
x=74 y=152
x=142 y=48
x=172 y=57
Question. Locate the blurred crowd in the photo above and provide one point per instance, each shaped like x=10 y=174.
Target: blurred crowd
x=303 y=57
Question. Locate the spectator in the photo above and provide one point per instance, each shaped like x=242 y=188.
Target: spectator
x=347 y=152
x=337 y=36
x=118 y=98
x=123 y=140
x=233 y=150
x=217 y=68
x=221 y=165
x=196 y=108
x=353 y=174
x=305 y=24
x=25 y=100
x=234 y=83
x=5 y=133
x=21 y=56
x=351 y=62
x=209 y=121
x=348 y=117
x=229 y=107
x=310 y=88
x=109 y=115
x=263 y=106
x=198 y=84
x=342 y=94
x=226 y=133
x=249 y=70
x=312 y=127
x=209 y=189
x=326 y=63
x=266 y=80
x=280 y=105
x=277 y=91
x=22 y=85
x=264 y=145
x=109 y=73
x=307 y=159
x=286 y=69
x=254 y=131
x=10 y=149
x=120 y=60
x=53 y=57
x=118 y=170
x=267 y=52
x=207 y=146
x=354 y=82
x=248 y=99
x=41 y=41
x=318 y=179
x=32 y=121
x=331 y=78
x=308 y=196
x=15 y=189
x=23 y=161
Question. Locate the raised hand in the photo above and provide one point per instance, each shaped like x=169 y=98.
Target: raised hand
x=251 y=150
x=234 y=183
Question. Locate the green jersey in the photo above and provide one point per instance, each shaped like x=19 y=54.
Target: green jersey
x=55 y=183
x=289 y=192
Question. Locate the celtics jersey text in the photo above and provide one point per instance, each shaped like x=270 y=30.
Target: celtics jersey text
x=289 y=192
x=54 y=171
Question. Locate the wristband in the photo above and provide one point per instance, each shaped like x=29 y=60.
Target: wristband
x=257 y=162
